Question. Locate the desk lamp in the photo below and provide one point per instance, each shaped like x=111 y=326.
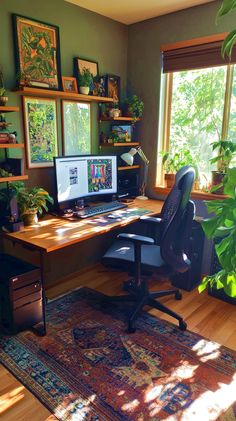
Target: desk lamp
x=128 y=157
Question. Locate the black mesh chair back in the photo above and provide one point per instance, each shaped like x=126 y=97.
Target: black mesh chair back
x=177 y=216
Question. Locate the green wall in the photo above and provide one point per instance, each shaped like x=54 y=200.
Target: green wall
x=144 y=61
x=82 y=34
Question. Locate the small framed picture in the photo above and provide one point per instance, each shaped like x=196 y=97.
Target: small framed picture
x=80 y=64
x=100 y=86
x=69 y=84
x=40 y=125
x=113 y=87
x=124 y=132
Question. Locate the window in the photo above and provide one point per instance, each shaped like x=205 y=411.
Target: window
x=200 y=104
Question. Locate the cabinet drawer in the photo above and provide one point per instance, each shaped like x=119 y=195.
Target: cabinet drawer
x=29 y=289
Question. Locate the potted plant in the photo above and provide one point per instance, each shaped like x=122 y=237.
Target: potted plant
x=31 y=201
x=3 y=98
x=134 y=106
x=223 y=226
x=85 y=79
x=174 y=160
x=226 y=152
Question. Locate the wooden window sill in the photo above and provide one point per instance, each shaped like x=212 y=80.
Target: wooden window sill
x=200 y=195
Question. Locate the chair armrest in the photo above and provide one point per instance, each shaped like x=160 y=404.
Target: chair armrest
x=136 y=239
x=151 y=219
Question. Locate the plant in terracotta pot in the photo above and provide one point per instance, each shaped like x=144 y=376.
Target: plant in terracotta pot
x=3 y=97
x=175 y=159
x=134 y=107
x=31 y=202
x=85 y=80
x=222 y=226
x=226 y=151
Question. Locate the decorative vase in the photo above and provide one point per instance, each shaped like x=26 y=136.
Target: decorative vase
x=217 y=178
x=30 y=218
x=84 y=90
x=114 y=112
x=170 y=180
x=3 y=100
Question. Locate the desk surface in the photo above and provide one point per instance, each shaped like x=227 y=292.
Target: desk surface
x=54 y=233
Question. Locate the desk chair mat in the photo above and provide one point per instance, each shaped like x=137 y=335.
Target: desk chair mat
x=88 y=368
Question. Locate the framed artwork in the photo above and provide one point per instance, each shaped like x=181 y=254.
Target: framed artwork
x=40 y=124
x=100 y=86
x=80 y=64
x=76 y=127
x=113 y=87
x=37 y=51
x=69 y=84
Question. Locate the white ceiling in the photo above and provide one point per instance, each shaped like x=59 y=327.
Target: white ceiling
x=131 y=11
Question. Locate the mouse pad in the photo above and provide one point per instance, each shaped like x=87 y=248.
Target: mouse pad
x=116 y=216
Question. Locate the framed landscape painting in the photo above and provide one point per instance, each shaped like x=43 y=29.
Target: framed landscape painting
x=76 y=124
x=37 y=53
x=40 y=124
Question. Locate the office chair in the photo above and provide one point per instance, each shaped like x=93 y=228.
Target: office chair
x=163 y=252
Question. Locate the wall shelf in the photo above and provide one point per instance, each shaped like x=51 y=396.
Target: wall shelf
x=133 y=167
x=119 y=144
x=5 y=109
x=12 y=145
x=118 y=119
x=61 y=94
x=13 y=178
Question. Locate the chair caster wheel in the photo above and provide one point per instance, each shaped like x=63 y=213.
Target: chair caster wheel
x=131 y=329
x=182 y=325
x=178 y=295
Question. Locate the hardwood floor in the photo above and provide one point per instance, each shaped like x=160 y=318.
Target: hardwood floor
x=211 y=318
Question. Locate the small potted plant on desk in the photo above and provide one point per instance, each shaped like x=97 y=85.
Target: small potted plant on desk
x=222 y=227
x=85 y=80
x=31 y=202
x=226 y=152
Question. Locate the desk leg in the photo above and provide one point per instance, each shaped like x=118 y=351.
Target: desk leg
x=41 y=329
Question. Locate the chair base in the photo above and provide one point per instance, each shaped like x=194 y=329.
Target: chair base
x=142 y=297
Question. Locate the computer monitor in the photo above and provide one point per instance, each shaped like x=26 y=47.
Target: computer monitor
x=84 y=176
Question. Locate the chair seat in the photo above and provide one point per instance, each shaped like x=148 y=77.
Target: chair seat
x=123 y=252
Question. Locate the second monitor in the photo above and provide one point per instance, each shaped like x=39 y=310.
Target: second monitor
x=84 y=176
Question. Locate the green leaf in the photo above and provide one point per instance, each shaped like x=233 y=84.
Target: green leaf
x=226 y=7
x=227 y=46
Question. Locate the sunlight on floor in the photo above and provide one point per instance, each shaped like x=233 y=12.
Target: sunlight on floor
x=11 y=398
x=75 y=407
x=207 y=350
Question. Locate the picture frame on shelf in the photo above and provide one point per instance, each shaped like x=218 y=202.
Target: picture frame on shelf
x=40 y=128
x=76 y=127
x=100 y=86
x=80 y=64
x=123 y=131
x=37 y=53
x=113 y=87
x=69 y=84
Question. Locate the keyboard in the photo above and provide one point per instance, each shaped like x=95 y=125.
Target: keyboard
x=97 y=210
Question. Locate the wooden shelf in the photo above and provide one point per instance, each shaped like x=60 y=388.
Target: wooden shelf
x=61 y=94
x=196 y=194
x=12 y=145
x=13 y=178
x=118 y=144
x=5 y=109
x=133 y=167
x=118 y=119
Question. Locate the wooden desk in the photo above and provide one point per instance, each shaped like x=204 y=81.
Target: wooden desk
x=54 y=233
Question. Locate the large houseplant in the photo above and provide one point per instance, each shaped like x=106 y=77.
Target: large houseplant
x=226 y=152
x=31 y=201
x=226 y=7
x=223 y=226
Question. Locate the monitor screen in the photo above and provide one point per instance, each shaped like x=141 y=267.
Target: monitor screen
x=83 y=176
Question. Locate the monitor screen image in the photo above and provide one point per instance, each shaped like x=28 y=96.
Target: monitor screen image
x=83 y=176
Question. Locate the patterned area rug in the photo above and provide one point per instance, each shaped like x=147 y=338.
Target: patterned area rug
x=88 y=368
